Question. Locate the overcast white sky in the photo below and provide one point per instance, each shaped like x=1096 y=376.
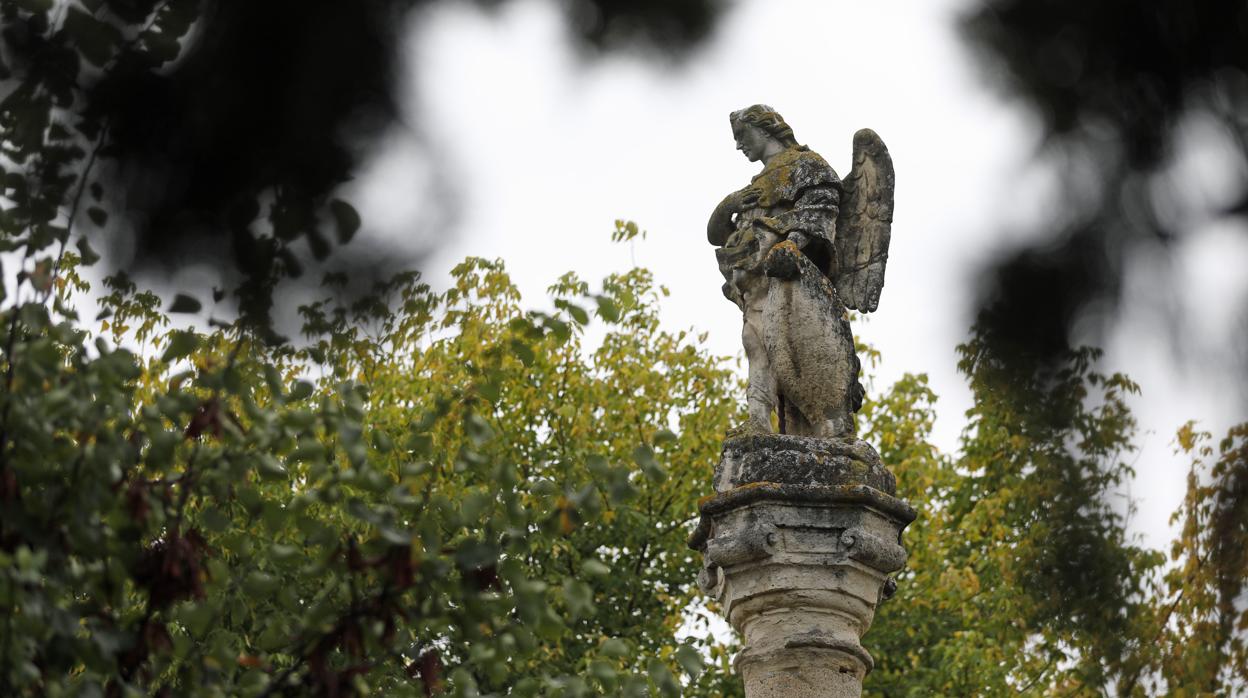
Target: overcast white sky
x=545 y=151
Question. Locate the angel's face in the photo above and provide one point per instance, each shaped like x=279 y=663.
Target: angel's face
x=751 y=140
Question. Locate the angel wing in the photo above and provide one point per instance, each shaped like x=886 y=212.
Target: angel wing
x=865 y=223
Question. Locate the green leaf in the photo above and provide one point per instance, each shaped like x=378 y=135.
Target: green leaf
x=382 y=442
x=214 y=520
x=560 y=329
x=161 y=48
x=690 y=660
x=283 y=553
x=181 y=344
x=615 y=647
x=664 y=437
x=489 y=389
x=97 y=215
x=269 y=468
x=420 y=445
x=260 y=583
x=577 y=312
x=475 y=505
x=594 y=568
x=273 y=379
x=96 y=40
x=183 y=303
x=626 y=231
x=475 y=554
x=346 y=220
x=604 y=672
x=301 y=390
x=477 y=429
x=395 y=536
x=579 y=598
x=197 y=617
x=544 y=488
x=308 y=451
x=607 y=309
x=663 y=679
x=250 y=499
x=644 y=457
x=273 y=514
x=88 y=255
x=523 y=351
x=598 y=466
x=232 y=380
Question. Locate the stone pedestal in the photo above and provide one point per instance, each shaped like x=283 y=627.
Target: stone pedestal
x=797 y=547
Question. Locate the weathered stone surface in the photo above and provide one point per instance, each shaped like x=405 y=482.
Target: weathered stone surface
x=800 y=540
x=864 y=228
x=800 y=460
x=797 y=547
x=797 y=674
x=810 y=347
x=796 y=247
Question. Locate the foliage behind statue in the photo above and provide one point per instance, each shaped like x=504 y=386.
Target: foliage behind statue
x=460 y=495
x=440 y=492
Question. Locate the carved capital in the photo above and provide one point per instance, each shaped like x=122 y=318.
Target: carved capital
x=741 y=545
x=801 y=565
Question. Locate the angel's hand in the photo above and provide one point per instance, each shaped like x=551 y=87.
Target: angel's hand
x=746 y=199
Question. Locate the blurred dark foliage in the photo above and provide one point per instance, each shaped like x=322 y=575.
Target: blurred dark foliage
x=266 y=98
x=1111 y=81
x=226 y=149
x=670 y=27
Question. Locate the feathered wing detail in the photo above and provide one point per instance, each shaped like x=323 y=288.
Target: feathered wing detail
x=865 y=224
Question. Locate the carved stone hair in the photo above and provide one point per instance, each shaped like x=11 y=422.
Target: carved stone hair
x=768 y=119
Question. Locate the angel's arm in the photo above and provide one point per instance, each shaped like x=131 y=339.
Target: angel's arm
x=720 y=226
x=813 y=215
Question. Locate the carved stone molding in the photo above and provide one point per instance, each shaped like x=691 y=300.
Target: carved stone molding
x=800 y=562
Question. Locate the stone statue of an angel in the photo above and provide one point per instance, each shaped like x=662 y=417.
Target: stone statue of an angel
x=797 y=248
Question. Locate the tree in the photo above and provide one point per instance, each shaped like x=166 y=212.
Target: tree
x=440 y=492
x=1022 y=578
x=445 y=493
x=218 y=513
x=216 y=132
x=1195 y=642
x=1023 y=575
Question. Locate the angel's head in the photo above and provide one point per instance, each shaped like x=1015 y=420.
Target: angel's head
x=760 y=131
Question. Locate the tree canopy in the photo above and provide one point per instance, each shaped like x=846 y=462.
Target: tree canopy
x=438 y=491
x=447 y=493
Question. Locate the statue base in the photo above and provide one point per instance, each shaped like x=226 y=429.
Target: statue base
x=797 y=547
